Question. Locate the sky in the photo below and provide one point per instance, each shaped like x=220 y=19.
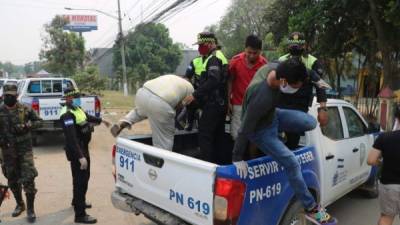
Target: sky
x=22 y=21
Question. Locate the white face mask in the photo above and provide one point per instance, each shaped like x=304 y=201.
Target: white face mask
x=287 y=89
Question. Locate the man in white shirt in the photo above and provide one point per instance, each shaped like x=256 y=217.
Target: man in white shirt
x=157 y=101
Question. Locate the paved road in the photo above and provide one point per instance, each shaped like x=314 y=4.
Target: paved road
x=54 y=185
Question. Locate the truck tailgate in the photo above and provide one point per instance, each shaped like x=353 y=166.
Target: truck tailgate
x=50 y=108
x=181 y=185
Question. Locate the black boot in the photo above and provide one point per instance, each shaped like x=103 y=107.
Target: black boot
x=87 y=205
x=86 y=219
x=20 y=203
x=30 y=199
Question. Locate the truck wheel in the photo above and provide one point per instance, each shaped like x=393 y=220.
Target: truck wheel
x=294 y=215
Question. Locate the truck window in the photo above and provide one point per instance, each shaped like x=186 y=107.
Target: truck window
x=1 y=83
x=34 y=87
x=57 y=86
x=334 y=128
x=46 y=86
x=355 y=125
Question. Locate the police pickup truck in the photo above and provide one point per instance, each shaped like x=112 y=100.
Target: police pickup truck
x=176 y=188
x=44 y=95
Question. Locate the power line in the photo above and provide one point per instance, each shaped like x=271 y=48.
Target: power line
x=194 y=13
x=166 y=18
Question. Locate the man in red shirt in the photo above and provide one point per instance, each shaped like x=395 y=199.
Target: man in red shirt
x=242 y=68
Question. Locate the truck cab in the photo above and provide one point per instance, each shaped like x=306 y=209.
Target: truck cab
x=179 y=188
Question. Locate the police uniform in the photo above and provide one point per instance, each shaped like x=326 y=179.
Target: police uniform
x=302 y=99
x=193 y=73
x=78 y=126
x=211 y=94
x=16 y=124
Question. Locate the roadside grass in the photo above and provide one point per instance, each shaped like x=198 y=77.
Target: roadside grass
x=116 y=100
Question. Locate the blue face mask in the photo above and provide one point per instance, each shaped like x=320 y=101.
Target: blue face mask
x=76 y=102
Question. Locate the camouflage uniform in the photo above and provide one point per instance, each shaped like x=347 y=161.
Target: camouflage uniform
x=18 y=167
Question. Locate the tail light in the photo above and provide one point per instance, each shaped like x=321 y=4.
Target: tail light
x=35 y=105
x=114 y=149
x=97 y=107
x=228 y=201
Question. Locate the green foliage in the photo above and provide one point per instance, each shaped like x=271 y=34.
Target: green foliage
x=150 y=52
x=89 y=81
x=10 y=68
x=244 y=17
x=32 y=67
x=63 y=52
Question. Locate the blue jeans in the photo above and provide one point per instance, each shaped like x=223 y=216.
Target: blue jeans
x=267 y=141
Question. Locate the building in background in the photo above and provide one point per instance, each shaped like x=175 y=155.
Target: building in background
x=187 y=56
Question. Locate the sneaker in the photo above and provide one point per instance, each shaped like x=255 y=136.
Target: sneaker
x=319 y=216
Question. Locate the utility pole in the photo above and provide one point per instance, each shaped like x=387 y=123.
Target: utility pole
x=122 y=45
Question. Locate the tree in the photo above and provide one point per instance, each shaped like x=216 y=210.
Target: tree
x=244 y=17
x=63 y=52
x=89 y=80
x=150 y=53
x=386 y=20
x=32 y=67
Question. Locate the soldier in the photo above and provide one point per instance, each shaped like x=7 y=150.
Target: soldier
x=16 y=124
x=78 y=127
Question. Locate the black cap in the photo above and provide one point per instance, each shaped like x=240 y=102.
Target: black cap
x=206 y=37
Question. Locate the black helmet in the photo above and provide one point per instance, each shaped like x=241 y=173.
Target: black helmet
x=296 y=43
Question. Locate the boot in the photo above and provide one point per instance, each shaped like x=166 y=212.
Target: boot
x=30 y=199
x=20 y=203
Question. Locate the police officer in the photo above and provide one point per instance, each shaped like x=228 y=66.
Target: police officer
x=78 y=126
x=16 y=124
x=212 y=98
x=302 y=99
x=193 y=74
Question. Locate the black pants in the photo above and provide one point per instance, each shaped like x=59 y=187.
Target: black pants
x=211 y=132
x=80 y=181
x=292 y=140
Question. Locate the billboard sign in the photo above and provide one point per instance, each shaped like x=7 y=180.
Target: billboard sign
x=81 y=23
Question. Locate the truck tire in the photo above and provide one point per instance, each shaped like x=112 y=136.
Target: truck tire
x=294 y=215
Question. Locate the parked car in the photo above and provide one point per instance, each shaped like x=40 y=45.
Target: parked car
x=44 y=95
x=178 y=188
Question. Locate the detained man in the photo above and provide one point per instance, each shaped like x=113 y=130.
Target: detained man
x=261 y=122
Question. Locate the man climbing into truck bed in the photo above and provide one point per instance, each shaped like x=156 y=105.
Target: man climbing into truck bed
x=261 y=121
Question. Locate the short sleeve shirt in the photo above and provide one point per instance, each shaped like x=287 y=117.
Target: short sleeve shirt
x=389 y=145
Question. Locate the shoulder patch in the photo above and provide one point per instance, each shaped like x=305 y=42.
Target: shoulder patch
x=68 y=122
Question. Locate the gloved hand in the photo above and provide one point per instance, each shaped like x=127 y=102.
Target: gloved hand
x=84 y=163
x=241 y=168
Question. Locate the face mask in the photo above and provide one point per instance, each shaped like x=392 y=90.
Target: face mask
x=10 y=100
x=76 y=102
x=203 y=49
x=296 y=50
x=287 y=89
